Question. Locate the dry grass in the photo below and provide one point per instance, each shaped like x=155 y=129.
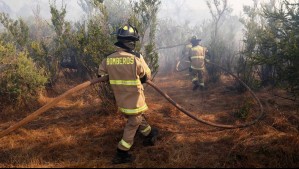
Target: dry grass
x=78 y=133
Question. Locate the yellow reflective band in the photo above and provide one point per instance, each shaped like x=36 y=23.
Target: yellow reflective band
x=202 y=84
x=146 y=129
x=148 y=71
x=197 y=57
x=125 y=28
x=125 y=82
x=133 y=111
x=103 y=75
x=197 y=68
x=194 y=79
x=125 y=144
x=131 y=30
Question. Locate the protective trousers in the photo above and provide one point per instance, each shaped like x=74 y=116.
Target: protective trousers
x=198 y=77
x=134 y=123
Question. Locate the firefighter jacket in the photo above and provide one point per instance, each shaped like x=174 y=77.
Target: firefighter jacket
x=197 y=57
x=125 y=70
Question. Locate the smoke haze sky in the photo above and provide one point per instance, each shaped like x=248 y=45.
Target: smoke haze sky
x=191 y=10
x=195 y=10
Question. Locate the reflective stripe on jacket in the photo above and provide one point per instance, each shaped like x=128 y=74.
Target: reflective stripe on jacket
x=125 y=70
x=197 y=56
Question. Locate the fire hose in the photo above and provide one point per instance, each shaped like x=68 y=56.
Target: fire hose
x=177 y=67
x=49 y=105
x=207 y=122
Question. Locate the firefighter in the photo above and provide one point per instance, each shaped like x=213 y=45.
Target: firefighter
x=182 y=59
x=127 y=71
x=197 y=58
x=185 y=51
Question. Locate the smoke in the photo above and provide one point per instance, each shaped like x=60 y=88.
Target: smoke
x=195 y=11
x=178 y=20
x=4 y=7
x=24 y=9
x=192 y=11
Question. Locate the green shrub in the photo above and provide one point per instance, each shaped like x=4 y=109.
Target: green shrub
x=19 y=77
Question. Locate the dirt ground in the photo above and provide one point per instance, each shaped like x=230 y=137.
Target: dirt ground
x=77 y=133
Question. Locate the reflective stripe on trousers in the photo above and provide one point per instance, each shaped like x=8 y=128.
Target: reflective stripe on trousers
x=146 y=131
x=133 y=111
x=202 y=68
x=134 y=123
x=198 y=77
x=126 y=145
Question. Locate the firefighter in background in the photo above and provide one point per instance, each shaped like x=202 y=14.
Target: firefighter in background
x=185 y=54
x=127 y=71
x=197 y=58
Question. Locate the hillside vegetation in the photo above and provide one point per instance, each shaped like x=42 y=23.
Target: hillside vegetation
x=41 y=59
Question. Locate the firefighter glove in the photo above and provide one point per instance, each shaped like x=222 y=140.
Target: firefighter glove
x=143 y=79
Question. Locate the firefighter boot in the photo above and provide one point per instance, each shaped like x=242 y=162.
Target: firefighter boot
x=122 y=157
x=196 y=85
x=202 y=87
x=151 y=139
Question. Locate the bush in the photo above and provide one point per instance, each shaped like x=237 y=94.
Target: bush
x=20 y=79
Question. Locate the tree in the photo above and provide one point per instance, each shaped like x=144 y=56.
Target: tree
x=283 y=22
x=20 y=79
x=145 y=19
x=219 y=10
x=18 y=29
x=245 y=67
x=272 y=44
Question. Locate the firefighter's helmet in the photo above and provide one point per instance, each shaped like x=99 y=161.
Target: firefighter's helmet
x=127 y=32
x=194 y=40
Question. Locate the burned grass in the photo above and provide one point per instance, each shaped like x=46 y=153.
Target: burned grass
x=78 y=133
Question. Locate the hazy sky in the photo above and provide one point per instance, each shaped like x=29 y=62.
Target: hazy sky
x=195 y=10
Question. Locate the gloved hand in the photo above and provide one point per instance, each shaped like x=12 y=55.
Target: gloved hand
x=143 y=79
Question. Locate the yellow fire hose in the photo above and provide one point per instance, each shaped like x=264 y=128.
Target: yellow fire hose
x=49 y=105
